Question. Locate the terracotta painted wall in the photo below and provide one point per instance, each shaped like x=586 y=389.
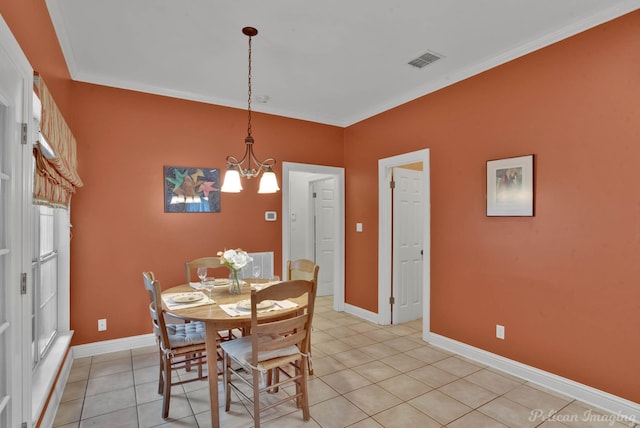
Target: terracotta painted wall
x=564 y=283
x=119 y=225
x=124 y=140
x=31 y=25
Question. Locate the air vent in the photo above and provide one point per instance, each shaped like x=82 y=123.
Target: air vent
x=425 y=59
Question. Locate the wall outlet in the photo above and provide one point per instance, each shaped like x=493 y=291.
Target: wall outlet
x=102 y=325
x=500 y=331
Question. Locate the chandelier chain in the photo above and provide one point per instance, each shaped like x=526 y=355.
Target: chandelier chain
x=249 y=91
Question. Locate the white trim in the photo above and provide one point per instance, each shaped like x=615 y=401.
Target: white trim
x=384 y=234
x=338 y=174
x=589 y=395
x=361 y=313
x=17 y=361
x=114 y=345
x=57 y=361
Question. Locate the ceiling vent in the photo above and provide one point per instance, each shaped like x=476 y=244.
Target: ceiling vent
x=425 y=59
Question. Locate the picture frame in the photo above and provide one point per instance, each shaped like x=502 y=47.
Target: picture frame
x=191 y=190
x=510 y=187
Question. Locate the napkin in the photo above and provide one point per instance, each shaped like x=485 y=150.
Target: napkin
x=233 y=311
x=166 y=297
x=261 y=285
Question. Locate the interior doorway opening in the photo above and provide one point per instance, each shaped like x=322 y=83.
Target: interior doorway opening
x=388 y=262
x=313 y=223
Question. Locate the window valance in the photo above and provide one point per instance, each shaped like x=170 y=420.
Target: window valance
x=56 y=177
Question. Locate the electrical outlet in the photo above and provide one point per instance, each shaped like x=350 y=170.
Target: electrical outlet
x=102 y=325
x=500 y=331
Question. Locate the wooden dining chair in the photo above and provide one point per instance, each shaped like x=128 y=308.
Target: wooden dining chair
x=304 y=269
x=191 y=267
x=280 y=344
x=181 y=346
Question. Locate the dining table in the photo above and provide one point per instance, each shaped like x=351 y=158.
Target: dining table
x=216 y=319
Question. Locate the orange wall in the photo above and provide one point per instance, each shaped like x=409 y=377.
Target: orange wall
x=564 y=283
x=119 y=225
x=31 y=25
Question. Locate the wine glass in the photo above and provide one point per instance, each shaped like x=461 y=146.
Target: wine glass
x=202 y=274
x=208 y=284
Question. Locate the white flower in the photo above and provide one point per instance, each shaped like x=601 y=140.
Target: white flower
x=234 y=259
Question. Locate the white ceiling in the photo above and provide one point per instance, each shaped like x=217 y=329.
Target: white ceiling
x=333 y=61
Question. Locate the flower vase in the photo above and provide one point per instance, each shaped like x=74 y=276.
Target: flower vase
x=236 y=286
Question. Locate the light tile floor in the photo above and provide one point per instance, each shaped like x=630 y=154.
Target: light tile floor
x=366 y=376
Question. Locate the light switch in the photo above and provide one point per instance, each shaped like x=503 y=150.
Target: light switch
x=358 y=227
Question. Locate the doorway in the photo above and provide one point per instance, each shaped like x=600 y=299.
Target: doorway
x=313 y=223
x=389 y=263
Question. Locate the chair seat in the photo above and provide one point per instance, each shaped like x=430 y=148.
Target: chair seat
x=240 y=350
x=186 y=334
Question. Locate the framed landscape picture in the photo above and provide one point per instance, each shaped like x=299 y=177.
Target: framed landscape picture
x=510 y=186
x=191 y=190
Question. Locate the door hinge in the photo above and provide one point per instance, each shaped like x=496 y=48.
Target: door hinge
x=23 y=283
x=392 y=300
x=23 y=425
x=392 y=184
x=23 y=138
x=314 y=195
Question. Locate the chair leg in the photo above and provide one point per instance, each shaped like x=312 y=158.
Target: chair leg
x=256 y=397
x=166 y=395
x=226 y=364
x=304 y=398
x=161 y=374
x=187 y=361
x=199 y=364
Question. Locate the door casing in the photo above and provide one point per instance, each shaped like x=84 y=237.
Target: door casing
x=338 y=174
x=385 y=167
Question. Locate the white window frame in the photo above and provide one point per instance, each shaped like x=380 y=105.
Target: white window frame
x=46 y=367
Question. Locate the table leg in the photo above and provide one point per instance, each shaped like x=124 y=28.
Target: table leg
x=212 y=367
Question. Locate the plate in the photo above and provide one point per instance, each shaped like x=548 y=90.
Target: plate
x=246 y=304
x=219 y=282
x=187 y=297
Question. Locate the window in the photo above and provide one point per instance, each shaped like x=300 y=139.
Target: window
x=44 y=269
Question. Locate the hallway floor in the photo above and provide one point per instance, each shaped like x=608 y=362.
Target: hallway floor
x=366 y=376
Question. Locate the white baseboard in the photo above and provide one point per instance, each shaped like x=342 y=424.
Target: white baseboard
x=625 y=409
x=361 y=313
x=106 y=346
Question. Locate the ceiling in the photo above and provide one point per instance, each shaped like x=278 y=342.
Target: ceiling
x=333 y=61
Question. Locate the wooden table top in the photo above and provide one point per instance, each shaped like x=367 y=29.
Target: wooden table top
x=214 y=313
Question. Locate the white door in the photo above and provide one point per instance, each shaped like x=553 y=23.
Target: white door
x=407 y=245
x=293 y=230
x=15 y=368
x=325 y=232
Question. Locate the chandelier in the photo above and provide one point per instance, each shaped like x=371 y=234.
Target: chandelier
x=253 y=167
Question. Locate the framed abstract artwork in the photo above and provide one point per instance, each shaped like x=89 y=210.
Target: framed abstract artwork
x=191 y=190
x=510 y=186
